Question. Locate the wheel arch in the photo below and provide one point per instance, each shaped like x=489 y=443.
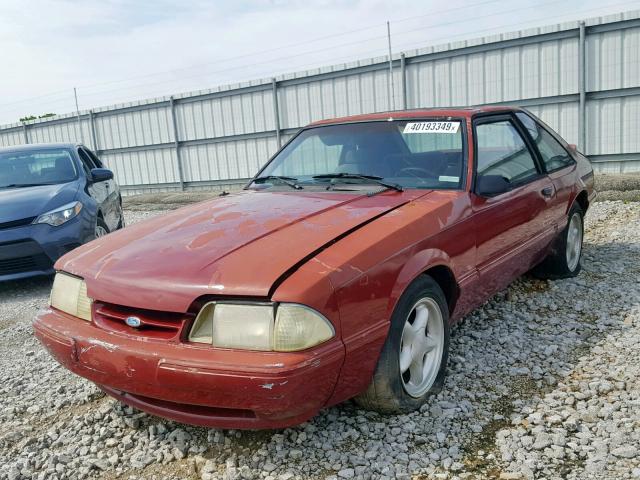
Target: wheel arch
x=582 y=199
x=446 y=280
x=434 y=263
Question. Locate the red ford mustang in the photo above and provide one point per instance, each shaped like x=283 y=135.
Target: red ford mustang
x=336 y=273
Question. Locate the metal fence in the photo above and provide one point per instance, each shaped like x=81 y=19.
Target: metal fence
x=582 y=78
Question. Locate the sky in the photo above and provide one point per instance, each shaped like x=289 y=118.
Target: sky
x=115 y=51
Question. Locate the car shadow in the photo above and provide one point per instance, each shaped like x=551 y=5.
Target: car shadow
x=18 y=289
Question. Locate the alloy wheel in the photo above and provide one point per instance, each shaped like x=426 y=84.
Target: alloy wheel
x=574 y=241
x=100 y=231
x=421 y=347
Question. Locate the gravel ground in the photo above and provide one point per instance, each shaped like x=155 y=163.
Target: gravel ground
x=544 y=382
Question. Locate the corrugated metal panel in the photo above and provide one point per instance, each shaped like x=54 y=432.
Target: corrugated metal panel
x=627 y=166
x=613 y=59
x=11 y=137
x=144 y=167
x=131 y=128
x=508 y=74
x=562 y=117
x=226 y=160
x=225 y=116
x=353 y=94
x=150 y=189
x=613 y=125
x=68 y=131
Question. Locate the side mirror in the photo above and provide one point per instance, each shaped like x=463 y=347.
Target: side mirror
x=101 y=174
x=573 y=147
x=491 y=185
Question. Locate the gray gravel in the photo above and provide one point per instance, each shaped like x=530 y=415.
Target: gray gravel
x=544 y=382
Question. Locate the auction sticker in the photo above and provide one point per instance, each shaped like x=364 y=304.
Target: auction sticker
x=431 y=127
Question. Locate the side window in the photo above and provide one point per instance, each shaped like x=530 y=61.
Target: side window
x=502 y=151
x=97 y=162
x=87 y=163
x=553 y=154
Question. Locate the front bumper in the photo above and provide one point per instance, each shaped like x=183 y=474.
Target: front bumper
x=196 y=384
x=31 y=250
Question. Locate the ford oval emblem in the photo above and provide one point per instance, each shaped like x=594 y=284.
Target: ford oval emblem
x=134 y=322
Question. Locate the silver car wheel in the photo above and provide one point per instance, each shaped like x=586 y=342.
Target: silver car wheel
x=100 y=231
x=574 y=241
x=421 y=347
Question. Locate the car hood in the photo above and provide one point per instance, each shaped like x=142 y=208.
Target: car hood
x=238 y=245
x=28 y=202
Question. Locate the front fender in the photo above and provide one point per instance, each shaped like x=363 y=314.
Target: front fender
x=415 y=266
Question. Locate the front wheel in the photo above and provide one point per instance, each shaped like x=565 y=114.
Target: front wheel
x=101 y=228
x=564 y=259
x=121 y=222
x=413 y=360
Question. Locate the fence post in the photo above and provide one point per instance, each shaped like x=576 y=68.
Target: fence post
x=92 y=127
x=26 y=134
x=276 y=111
x=403 y=80
x=176 y=141
x=582 y=64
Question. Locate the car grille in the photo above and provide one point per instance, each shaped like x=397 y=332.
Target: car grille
x=11 y=266
x=17 y=223
x=154 y=324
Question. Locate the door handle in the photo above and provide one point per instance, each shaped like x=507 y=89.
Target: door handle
x=547 y=191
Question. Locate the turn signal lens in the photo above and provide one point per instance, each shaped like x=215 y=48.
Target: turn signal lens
x=69 y=294
x=298 y=328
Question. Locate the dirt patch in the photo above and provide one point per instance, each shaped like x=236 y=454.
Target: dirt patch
x=618 y=187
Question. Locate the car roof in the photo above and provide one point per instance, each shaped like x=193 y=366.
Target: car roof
x=464 y=112
x=37 y=146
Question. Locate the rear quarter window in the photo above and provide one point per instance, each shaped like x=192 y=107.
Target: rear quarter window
x=554 y=155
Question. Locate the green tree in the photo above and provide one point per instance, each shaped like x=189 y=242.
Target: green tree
x=28 y=118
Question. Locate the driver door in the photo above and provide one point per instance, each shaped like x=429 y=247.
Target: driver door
x=512 y=227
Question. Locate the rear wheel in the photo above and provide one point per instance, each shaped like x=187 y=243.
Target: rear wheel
x=413 y=360
x=564 y=259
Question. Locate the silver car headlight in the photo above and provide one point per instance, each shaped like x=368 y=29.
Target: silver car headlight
x=286 y=327
x=60 y=215
x=69 y=294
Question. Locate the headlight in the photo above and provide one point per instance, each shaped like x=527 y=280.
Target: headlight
x=60 y=215
x=69 y=294
x=285 y=328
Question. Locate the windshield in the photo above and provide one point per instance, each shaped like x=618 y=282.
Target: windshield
x=36 y=167
x=425 y=153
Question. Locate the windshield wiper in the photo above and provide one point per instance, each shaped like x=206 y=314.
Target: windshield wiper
x=356 y=176
x=286 y=180
x=23 y=185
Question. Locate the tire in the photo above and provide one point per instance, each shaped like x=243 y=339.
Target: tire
x=390 y=390
x=564 y=259
x=121 y=222
x=101 y=228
